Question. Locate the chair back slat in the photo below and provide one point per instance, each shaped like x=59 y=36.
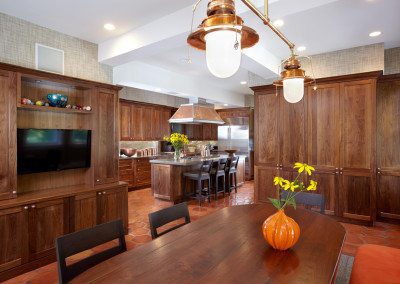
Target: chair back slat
x=310 y=199
x=206 y=166
x=222 y=163
x=164 y=216
x=80 y=241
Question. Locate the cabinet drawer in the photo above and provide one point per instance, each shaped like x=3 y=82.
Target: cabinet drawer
x=143 y=168
x=125 y=167
x=142 y=161
x=126 y=172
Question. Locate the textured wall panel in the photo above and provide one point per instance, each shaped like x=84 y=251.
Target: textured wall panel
x=17 y=46
x=392 y=60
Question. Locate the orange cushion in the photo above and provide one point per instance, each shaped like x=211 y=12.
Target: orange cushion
x=376 y=264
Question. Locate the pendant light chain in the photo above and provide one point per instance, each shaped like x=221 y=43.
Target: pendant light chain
x=189 y=58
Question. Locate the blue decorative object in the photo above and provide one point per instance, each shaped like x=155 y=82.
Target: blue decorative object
x=57 y=100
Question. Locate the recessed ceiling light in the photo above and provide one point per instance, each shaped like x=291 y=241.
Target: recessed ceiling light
x=109 y=27
x=243 y=83
x=225 y=105
x=374 y=34
x=301 y=48
x=278 y=23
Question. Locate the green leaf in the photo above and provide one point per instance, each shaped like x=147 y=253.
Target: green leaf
x=292 y=201
x=275 y=202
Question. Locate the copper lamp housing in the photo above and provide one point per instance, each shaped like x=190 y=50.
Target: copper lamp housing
x=221 y=15
x=292 y=71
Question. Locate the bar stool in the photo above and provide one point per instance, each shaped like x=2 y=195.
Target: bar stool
x=231 y=174
x=199 y=177
x=218 y=172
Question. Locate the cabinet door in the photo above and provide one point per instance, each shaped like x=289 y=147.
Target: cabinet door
x=125 y=121
x=198 y=132
x=47 y=221
x=293 y=120
x=156 y=124
x=8 y=135
x=266 y=134
x=206 y=132
x=84 y=211
x=323 y=127
x=189 y=131
x=388 y=183
x=328 y=185
x=136 y=123
x=388 y=141
x=106 y=140
x=13 y=237
x=264 y=183
x=358 y=114
x=112 y=204
x=166 y=127
x=355 y=195
x=241 y=171
x=147 y=124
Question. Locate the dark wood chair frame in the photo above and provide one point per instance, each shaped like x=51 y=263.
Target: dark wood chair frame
x=199 y=177
x=310 y=199
x=80 y=241
x=164 y=216
x=217 y=173
x=231 y=174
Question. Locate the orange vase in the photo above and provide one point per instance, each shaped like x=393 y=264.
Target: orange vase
x=281 y=231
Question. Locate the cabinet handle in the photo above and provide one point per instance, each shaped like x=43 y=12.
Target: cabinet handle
x=33 y=206
x=277 y=165
x=14 y=192
x=104 y=192
x=99 y=193
x=277 y=168
x=379 y=169
x=26 y=207
x=97 y=180
x=341 y=173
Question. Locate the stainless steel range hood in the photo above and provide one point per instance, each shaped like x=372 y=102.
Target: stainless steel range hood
x=196 y=113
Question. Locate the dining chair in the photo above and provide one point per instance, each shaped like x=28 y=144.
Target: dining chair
x=310 y=199
x=164 y=216
x=80 y=241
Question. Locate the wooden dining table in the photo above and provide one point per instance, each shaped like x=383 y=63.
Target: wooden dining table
x=227 y=246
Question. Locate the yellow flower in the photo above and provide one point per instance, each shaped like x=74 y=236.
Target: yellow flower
x=290 y=185
x=279 y=180
x=313 y=185
x=301 y=167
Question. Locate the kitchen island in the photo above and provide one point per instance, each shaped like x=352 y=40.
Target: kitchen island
x=167 y=181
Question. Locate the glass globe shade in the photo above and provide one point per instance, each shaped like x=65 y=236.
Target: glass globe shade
x=293 y=89
x=223 y=60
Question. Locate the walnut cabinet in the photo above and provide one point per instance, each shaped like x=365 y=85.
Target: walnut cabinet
x=333 y=129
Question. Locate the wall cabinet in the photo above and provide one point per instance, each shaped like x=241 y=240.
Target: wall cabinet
x=142 y=122
x=8 y=135
x=333 y=129
x=106 y=138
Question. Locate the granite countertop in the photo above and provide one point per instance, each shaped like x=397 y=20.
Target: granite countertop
x=123 y=157
x=187 y=161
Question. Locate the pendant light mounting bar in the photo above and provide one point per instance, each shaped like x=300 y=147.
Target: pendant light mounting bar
x=267 y=22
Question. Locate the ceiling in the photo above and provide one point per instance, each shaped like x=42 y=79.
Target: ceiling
x=320 y=25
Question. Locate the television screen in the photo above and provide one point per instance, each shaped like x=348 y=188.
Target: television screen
x=44 y=150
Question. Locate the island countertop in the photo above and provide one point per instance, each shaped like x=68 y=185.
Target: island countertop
x=186 y=161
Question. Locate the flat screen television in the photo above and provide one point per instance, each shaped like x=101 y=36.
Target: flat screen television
x=45 y=150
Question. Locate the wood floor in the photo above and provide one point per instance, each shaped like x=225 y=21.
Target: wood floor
x=141 y=203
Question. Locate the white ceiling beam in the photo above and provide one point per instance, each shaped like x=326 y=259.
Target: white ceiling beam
x=149 y=77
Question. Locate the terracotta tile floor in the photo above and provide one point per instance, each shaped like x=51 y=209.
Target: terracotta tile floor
x=141 y=203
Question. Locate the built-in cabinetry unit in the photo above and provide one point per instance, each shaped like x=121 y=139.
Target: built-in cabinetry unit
x=135 y=171
x=36 y=208
x=143 y=122
x=333 y=129
x=388 y=147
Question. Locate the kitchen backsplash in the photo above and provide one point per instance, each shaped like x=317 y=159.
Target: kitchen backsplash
x=139 y=144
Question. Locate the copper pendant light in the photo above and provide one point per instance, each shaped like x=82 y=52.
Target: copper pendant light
x=221 y=15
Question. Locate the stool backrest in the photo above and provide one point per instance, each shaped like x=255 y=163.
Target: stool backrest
x=206 y=166
x=234 y=162
x=222 y=163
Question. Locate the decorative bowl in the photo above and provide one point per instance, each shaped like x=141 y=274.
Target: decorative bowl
x=57 y=100
x=128 y=151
